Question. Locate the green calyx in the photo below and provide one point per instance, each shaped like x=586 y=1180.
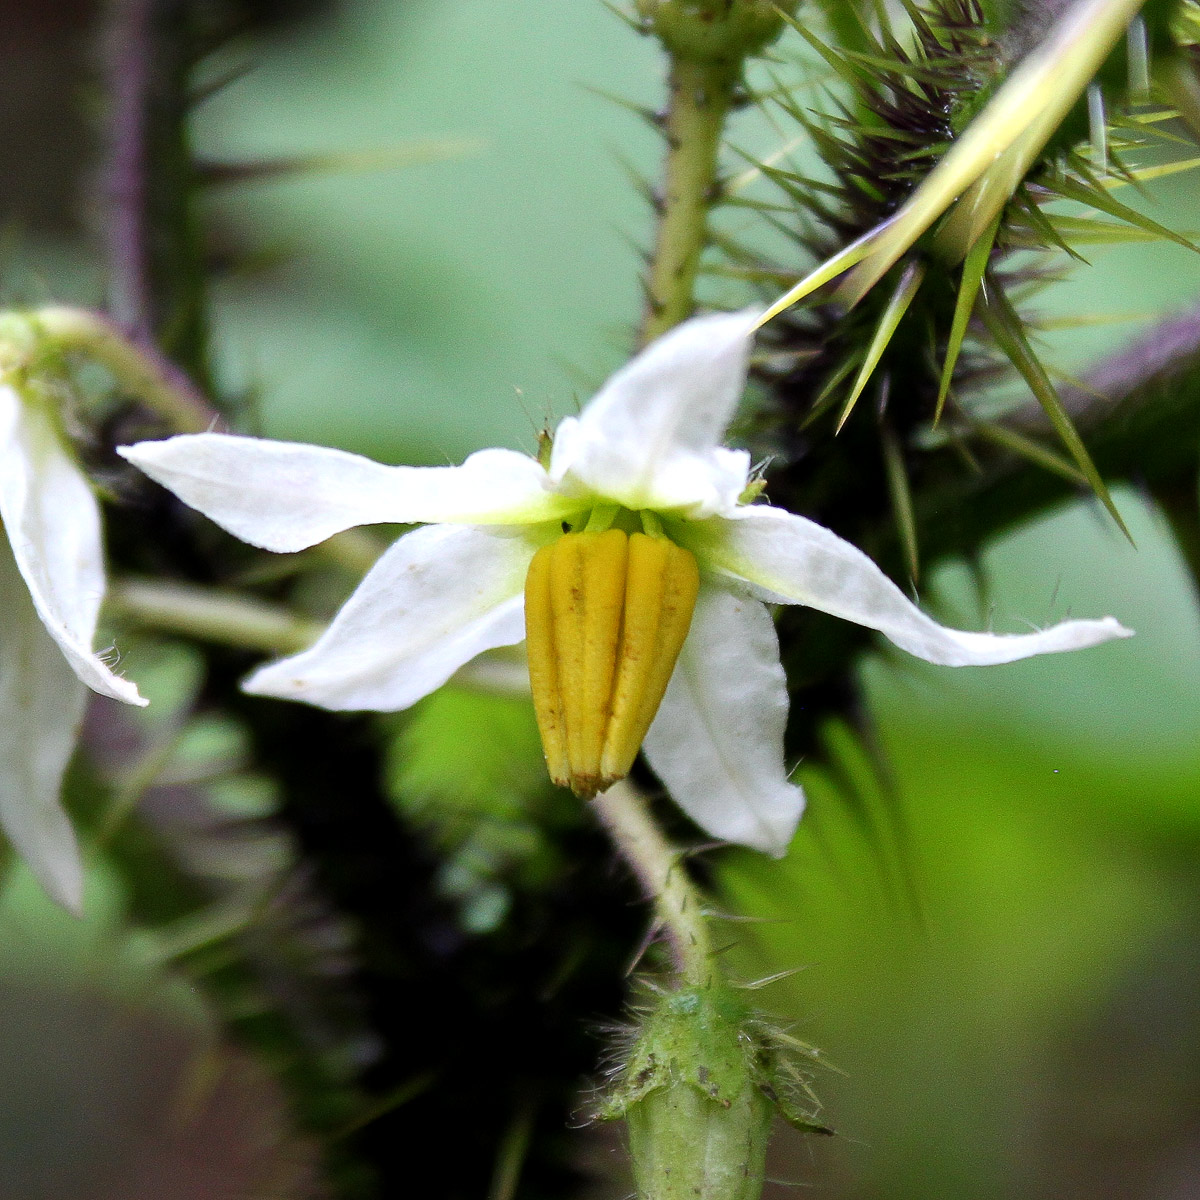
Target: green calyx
x=698 y=1090
x=714 y=31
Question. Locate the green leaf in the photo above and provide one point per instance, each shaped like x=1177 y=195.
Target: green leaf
x=824 y=398
x=464 y=754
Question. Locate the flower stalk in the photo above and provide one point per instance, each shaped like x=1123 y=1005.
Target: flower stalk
x=659 y=868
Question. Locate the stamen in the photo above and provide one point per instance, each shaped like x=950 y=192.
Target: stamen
x=587 y=594
x=660 y=594
x=543 y=667
x=606 y=615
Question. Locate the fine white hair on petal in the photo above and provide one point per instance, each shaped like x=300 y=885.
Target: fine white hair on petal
x=287 y=496
x=437 y=598
x=41 y=706
x=52 y=522
x=717 y=741
x=790 y=560
x=650 y=438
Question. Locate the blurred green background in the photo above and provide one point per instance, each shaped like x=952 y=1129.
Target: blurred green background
x=1001 y=952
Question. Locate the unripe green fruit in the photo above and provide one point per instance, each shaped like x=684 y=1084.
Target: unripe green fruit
x=689 y=1146
x=703 y=1076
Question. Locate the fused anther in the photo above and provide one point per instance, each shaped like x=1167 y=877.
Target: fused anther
x=606 y=615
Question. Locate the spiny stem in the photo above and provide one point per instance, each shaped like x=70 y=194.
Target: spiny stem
x=701 y=94
x=659 y=868
x=210 y=615
x=155 y=256
x=130 y=69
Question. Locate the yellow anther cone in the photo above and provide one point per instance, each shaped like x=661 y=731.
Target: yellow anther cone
x=606 y=615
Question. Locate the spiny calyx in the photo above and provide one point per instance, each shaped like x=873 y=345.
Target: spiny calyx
x=606 y=614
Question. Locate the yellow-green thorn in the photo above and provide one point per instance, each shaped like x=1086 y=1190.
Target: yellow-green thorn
x=893 y=313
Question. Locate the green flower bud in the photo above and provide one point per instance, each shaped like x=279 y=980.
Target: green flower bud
x=697 y=1094
x=714 y=30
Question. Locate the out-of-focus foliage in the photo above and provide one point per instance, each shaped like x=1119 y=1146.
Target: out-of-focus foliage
x=115 y=1081
x=489 y=811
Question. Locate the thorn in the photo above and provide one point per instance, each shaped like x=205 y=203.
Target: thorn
x=767 y=980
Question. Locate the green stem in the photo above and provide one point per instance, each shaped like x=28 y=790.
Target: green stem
x=139 y=369
x=210 y=616
x=701 y=94
x=659 y=868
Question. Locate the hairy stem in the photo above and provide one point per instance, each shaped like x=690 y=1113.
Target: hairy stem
x=659 y=868
x=700 y=96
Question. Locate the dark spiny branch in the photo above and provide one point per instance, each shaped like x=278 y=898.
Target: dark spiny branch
x=1139 y=414
x=155 y=255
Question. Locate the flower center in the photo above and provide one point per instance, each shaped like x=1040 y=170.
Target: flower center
x=606 y=614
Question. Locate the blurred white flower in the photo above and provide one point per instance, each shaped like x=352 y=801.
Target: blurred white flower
x=638 y=515
x=51 y=586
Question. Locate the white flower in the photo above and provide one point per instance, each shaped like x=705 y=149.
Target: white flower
x=645 y=453
x=51 y=587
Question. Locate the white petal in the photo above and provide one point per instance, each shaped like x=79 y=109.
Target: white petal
x=285 y=496
x=650 y=437
x=53 y=525
x=41 y=705
x=717 y=741
x=439 y=596
x=791 y=560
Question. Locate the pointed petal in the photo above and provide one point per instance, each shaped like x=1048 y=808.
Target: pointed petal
x=286 y=496
x=41 y=705
x=53 y=524
x=650 y=437
x=790 y=560
x=717 y=741
x=440 y=596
